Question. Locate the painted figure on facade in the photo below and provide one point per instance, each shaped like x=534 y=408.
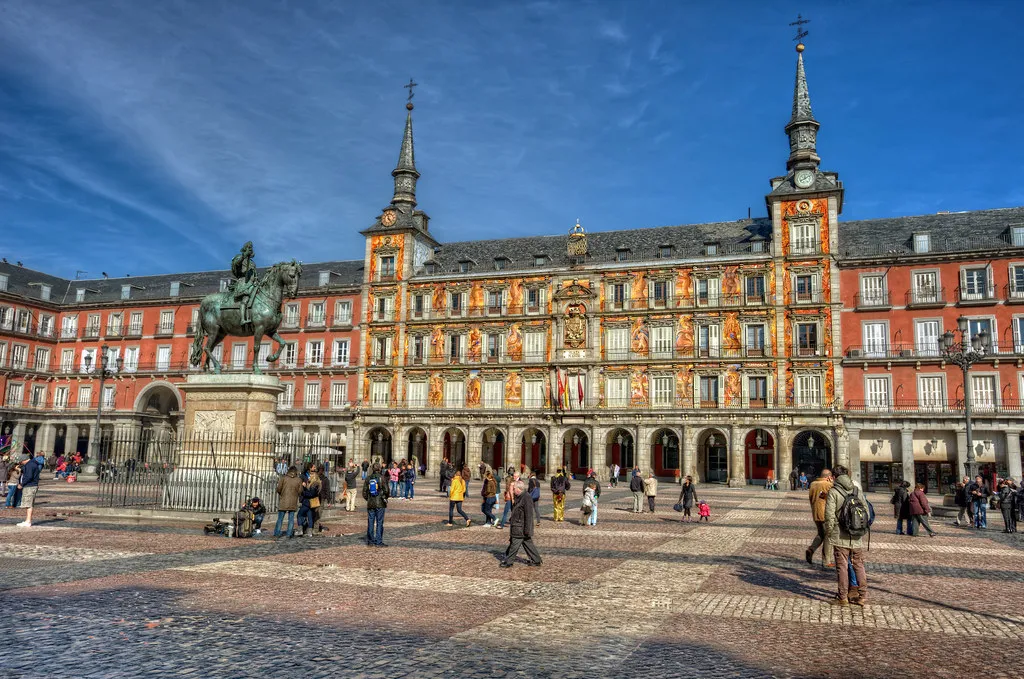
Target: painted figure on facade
x=513 y=389
x=639 y=339
x=638 y=388
x=250 y=308
x=514 y=344
x=576 y=327
x=473 y=392
x=435 y=394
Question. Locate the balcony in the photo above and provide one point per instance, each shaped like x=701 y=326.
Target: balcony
x=953 y=407
x=68 y=333
x=420 y=314
x=807 y=297
x=378 y=361
x=1013 y=294
x=383 y=315
x=163 y=329
x=386 y=276
x=134 y=330
x=973 y=296
x=880 y=300
x=112 y=332
x=925 y=298
x=698 y=352
x=916 y=352
x=801 y=350
x=800 y=248
x=315 y=321
x=91 y=332
x=290 y=322
x=341 y=321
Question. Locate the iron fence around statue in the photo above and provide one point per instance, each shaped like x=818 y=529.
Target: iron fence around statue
x=202 y=472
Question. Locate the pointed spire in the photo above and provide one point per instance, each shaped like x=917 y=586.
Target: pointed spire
x=405 y=173
x=802 y=127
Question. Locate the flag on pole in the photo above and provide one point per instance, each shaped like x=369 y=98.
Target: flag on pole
x=579 y=388
x=558 y=400
x=565 y=392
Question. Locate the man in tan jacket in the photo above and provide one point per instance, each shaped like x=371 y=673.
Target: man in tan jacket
x=817 y=494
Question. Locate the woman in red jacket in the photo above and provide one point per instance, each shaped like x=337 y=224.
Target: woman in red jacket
x=919 y=509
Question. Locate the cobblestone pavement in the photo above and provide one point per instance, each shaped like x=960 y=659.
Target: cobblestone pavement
x=638 y=595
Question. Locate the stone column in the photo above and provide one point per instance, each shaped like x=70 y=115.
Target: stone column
x=961 y=452
x=643 y=449
x=474 y=449
x=45 y=437
x=842 y=443
x=1013 y=461
x=853 y=448
x=686 y=449
x=785 y=451
x=737 y=463
x=435 y=450
x=19 y=435
x=907 y=455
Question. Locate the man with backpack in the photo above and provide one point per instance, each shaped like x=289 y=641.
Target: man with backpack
x=375 y=492
x=636 y=486
x=559 y=485
x=848 y=517
x=817 y=496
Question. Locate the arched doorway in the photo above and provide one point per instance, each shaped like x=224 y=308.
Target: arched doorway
x=492 y=449
x=812 y=452
x=533 y=451
x=665 y=453
x=621 y=449
x=454 y=447
x=576 y=449
x=759 y=446
x=416 y=448
x=379 y=440
x=713 y=448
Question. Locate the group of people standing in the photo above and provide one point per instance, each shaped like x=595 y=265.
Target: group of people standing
x=972 y=499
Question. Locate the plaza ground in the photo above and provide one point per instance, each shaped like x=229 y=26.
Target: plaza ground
x=638 y=595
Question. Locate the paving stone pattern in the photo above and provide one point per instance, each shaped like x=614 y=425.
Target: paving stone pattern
x=638 y=595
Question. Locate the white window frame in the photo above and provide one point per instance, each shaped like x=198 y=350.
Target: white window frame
x=807 y=391
x=925 y=294
x=84 y=397
x=163 y=365
x=877 y=392
x=417 y=393
x=663 y=390
x=15 y=394
x=339 y=395
x=131 y=358
x=135 y=323
x=286 y=399
x=380 y=393
x=167 y=321
x=67 y=360
x=923 y=345
x=931 y=402
x=662 y=341
x=311 y=395
x=455 y=393
x=314 y=353
x=969 y=288
x=979 y=404
x=343 y=312
x=239 y=352
x=340 y=353
x=922 y=243
x=533 y=393
x=875 y=336
x=616 y=389
x=290 y=318
x=175 y=290
x=616 y=344
x=535 y=346
x=60 y=397
x=874 y=290
x=126 y=292
x=316 y=314
x=494 y=393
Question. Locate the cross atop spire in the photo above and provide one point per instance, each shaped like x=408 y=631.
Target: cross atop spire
x=405 y=173
x=800 y=32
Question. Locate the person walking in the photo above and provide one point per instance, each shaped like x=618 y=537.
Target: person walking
x=456 y=495
x=650 y=490
x=489 y=493
x=979 y=492
x=591 y=495
x=848 y=548
x=614 y=476
x=688 y=498
x=521 y=528
x=365 y=466
x=793 y=477
x=920 y=509
x=28 y=484
x=817 y=494
x=309 y=502
x=352 y=476
x=410 y=482
x=962 y=502
x=559 y=486
x=1008 y=505
x=467 y=476
x=289 y=487
x=510 y=477
x=13 y=494
x=636 y=486
x=901 y=508
x=533 y=488
x=375 y=493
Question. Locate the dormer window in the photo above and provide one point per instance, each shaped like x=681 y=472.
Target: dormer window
x=44 y=292
x=1017 y=236
x=325 y=279
x=430 y=267
x=126 y=292
x=175 y=288
x=80 y=295
x=758 y=244
x=621 y=254
x=922 y=243
x=500 y=263
x=540 y=260
x=465 y=266
x=664 y=251
x=710 y=249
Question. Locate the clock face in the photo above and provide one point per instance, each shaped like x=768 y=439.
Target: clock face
x=388 y=218
x=804 y=178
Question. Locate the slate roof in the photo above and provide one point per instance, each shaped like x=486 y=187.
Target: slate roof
x=978 y=230
x=349 y=273
x=602 y=246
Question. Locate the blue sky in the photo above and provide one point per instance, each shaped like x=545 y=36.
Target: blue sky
x=149 y=137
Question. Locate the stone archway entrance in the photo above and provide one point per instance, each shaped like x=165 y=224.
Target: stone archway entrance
x=713 y=449
x=621 y=448
x=576 y=449
x=379 y=440
x=534 y=451
x=665 y=453
x=492 y=450
x=759 y=448
x=454 y=447
x=416 y=448
x=812 y=452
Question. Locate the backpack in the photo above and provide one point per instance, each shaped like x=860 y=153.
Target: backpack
x=373 y=486
x=856 y=514
x=534 y=489
x=243 y=523
x=559 y=485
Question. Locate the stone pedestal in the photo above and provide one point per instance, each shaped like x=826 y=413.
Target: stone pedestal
x=227 y=450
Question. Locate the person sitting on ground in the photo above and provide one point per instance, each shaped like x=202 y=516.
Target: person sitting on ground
x=259 y=510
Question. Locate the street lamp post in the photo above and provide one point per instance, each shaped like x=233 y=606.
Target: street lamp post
x=961 y=348
x=105 y=372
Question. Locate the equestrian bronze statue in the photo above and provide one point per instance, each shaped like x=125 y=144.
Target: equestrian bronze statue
x=250 y=307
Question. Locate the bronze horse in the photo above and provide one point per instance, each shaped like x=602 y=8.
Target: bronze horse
x=220 y=315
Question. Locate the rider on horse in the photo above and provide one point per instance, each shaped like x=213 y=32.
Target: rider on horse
x=244 y=285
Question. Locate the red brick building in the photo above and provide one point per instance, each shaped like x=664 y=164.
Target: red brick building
x=904 y=282
x=52 y=331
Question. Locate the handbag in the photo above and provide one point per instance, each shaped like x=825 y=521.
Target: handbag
x=314 y=502
x=587 y=510
x=677 y=507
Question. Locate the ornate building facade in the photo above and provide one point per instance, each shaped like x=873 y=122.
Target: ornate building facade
x=724 y=351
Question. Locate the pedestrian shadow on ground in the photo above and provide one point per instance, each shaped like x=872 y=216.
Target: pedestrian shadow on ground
x=759 y=576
